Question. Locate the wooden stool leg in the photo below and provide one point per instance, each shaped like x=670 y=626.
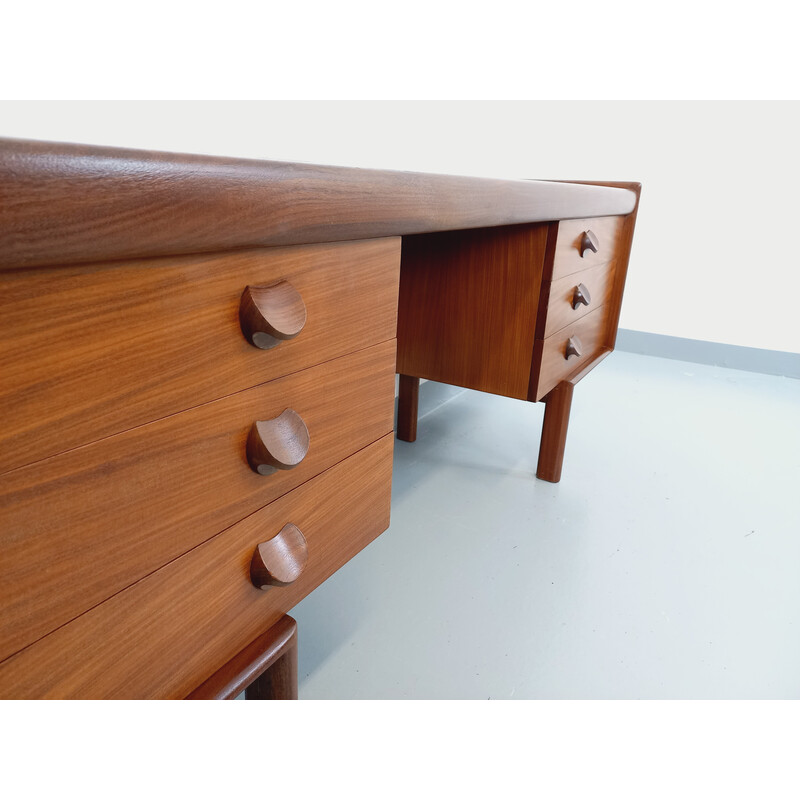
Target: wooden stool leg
x=407 y=408
x=279 y=681
x=554 y=432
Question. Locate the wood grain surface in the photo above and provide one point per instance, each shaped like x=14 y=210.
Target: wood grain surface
x=86 y=352
x=562 y=256
x=68 y=203
x=555 y=305
x=624 y=247
x=168 y=633
x=568 y=258
x=467 y=308
x=623 y=252
x=78 y=527
x=550 y=365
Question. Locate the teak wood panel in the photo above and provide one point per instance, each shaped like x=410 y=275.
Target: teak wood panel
x=80 y=526
x=624 y=245
x=68 y=203
x=568 y=259
x=87 y=352
x=550 y=364
x=166 y=634
x=467 y=308
x=556 y=301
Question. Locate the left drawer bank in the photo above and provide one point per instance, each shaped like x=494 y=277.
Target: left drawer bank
x=126 y=522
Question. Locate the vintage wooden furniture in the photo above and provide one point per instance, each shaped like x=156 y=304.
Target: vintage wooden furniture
x=197 y=396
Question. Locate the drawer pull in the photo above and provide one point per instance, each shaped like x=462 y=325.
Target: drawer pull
x=279 y=443
x=574 y=348
x=281 y=560
x=581 y=296
x=589 y=241
x=269 y=315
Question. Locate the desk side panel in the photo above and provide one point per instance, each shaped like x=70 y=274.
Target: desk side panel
x=467 y=307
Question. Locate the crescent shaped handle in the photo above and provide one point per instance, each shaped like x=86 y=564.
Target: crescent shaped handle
x=280 y=560
x=589 y=241
x=279 y=443
x=581 y=296
x=574 y=348
x=269 y=315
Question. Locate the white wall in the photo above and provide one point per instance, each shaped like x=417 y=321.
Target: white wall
x=715 y=251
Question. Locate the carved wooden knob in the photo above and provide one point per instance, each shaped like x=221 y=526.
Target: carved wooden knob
x=279 y=443
x=271 y=314
x=581 y=296
x=589 y=242
x=281 y=560
x=574 y=348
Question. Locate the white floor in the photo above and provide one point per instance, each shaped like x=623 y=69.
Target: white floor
x=664 y=565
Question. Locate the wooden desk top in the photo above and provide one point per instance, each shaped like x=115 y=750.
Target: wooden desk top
x=69 y=203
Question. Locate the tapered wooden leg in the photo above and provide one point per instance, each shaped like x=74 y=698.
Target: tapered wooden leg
x=265 y=670
x=279 y=681
x=554 y=432
x=407 y=408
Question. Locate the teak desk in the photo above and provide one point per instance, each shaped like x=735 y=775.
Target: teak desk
x=197 y=398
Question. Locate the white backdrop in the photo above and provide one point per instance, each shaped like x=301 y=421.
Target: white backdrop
x=715 y=254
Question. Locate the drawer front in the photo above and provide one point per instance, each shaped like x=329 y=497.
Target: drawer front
x=605 y=233
x=588 y=334
x=574 y=296
x=78 y=527
x=87 y=352
x=166 y=634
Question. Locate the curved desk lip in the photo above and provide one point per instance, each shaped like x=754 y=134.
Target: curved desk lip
x=68 y=203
